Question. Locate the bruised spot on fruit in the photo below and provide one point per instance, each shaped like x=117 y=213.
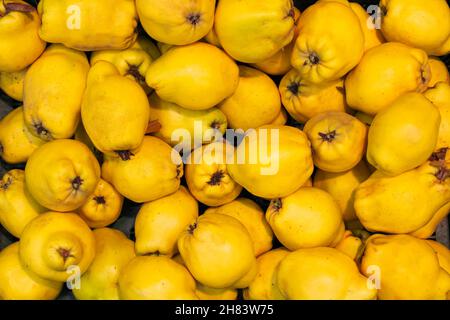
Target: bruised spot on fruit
x=437 y=160
x=125 y=155
x=76 y=183
x=100 y=199
x=329 y=136
x=276 y=204
x=41 y=130
x=216 y=178
x=193 y=18
x=192 y=227
x=1 y=149
x=64 y=253
x=294 y=87
x=133 y=71
x=5 y=185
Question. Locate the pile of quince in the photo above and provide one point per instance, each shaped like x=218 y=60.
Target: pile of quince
x=129 y=99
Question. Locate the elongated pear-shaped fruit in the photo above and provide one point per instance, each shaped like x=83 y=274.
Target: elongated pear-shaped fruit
x=53 y=90
x=89 y=25
x=115 y=110
x=399 y=138
x=406 y=202
x=197 y=76
x=159 y=223
x=385 y=73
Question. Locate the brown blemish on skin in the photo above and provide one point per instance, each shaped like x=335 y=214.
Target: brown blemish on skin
x=41 y=130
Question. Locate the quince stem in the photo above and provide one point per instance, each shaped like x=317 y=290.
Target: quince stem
x=18 y=7
x=153 y=127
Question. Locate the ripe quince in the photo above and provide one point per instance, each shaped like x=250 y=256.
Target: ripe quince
x=113 y=251
x=151 y=172
x=308 y=218
x=159 y=223
x=176 y=22
x=399 y=140
x=54 y=87
x=20 y=44
x=385 y=73
x=62 y=174
x=17 y=206
x=330 y=42
x=338 y=140
x=115 y=111
x=251 y=31
x=255 y=102
x=89 y=25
